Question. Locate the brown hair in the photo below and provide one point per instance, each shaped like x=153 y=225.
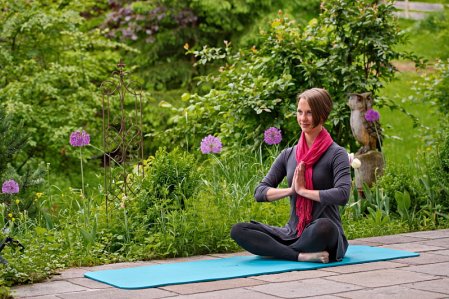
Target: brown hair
x=320 y=103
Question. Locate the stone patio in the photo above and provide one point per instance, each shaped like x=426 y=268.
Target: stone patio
x=426 y=276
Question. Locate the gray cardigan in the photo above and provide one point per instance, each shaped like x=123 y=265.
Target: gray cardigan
x=331 y=176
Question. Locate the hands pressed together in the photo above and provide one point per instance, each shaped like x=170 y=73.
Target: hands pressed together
x=299 y=181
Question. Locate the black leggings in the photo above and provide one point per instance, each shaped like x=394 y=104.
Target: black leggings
x=320 y=235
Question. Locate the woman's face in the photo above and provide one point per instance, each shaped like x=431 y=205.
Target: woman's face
x=305 y=118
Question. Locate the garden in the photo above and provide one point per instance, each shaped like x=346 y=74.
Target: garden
x=198 y=98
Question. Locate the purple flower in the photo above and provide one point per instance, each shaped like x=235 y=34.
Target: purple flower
x=272 y=136
x=372 y=115
x=210 y=144
x=79 y=138
x=10 y=187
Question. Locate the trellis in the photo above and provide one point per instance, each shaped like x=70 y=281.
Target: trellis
x=122 y=135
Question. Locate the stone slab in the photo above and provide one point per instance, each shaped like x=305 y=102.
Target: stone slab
x=425 y=258
x=40 y=297
x=381 y=278
x=442 y=252
x=89 y=283
x=225 y=255
x=294 y=275
x=396 y=292
x=392 y=239
x=233 y=294
x=46 y=288
x=438 y=285
x=363 y=242
x=201 y=287
x=304 y=288
x=415 y=247
x=184 y=259
x=441 y=269
x=432 y=234
x=364 y=267
x=69 y=273
x=443 y=242
x=115 y=293
x=117 y=266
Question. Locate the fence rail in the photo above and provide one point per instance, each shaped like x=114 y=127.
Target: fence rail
x=416 y=10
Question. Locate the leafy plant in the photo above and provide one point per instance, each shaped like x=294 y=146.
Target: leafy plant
x=348 y=48
x=51 y=68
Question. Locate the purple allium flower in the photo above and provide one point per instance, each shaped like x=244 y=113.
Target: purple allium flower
x=372 y=115
x=78 y=138
x=272 y=136
x=210 y=144
x=10 y=187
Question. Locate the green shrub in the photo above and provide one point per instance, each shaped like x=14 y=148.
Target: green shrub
x=349 y=48
x=170 y=179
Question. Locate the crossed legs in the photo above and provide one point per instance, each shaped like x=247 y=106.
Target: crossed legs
x=318 y=239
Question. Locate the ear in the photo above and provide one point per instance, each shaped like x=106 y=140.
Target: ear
x=368 y=100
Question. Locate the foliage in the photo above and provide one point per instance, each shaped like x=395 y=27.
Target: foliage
x=28 y=174
x=437 y=24
x=436 y=87
x=170 y=179
x=349 y=48
x=159 y=29
x=51 y=68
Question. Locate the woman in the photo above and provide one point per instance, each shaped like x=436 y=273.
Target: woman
x=319 y=180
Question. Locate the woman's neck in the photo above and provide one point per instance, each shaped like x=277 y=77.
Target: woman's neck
x=311 y=136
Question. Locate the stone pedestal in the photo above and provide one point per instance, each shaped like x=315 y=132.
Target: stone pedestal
x=372 y=167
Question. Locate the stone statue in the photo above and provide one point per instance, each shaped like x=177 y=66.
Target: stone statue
x=367 y=133
x=366 y=129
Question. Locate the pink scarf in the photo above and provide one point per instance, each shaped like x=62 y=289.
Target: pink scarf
x=309 y=157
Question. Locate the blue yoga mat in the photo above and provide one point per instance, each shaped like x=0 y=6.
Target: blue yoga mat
x=233 y=267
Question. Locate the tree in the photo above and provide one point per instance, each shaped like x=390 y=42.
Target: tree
x=348 y=48
x=51 y=68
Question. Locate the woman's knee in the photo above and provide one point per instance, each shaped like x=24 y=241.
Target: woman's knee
x=237 y=230
x=324 y=227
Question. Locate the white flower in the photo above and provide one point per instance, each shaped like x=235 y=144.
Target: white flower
x=356 y=163
x=350 y=157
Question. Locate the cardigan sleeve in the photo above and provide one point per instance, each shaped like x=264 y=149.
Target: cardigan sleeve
x=273 y=178
x=339 y=193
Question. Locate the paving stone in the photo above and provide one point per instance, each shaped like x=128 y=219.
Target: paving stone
x=442 y=252
x=392 y=239
x=117 y=266
x=364 y=267
x=439 y=285
x=294 y=275
x=184 y=259
x=441 y=269
x=115 y=293
x=89 y=283
x=381 y=278
x=424 y=258
x=69 y=273
x=224 y=255
x=363 y=242
x=41 y=297
x=209 y=286
x=443 y=242
x=397 y=292
x=325 y=297
x=433 y=234
x=415 y=247
x=47 y=288
x=234 y=293
x=304 y=288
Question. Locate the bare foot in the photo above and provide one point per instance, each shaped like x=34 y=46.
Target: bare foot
x=318 y=257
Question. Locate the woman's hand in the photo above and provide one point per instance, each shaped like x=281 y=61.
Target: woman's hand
x=299 y=181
